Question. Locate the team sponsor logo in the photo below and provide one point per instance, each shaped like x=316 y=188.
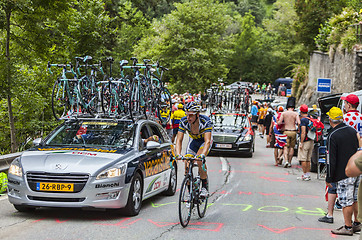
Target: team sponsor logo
x=13 y=181
x=107 y=185
x=154 y=185
x=157 y=165
x=77 y=149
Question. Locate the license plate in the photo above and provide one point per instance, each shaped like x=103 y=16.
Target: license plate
x=55 y=187
x=223 y=145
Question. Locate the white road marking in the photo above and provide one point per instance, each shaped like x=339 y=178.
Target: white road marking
x=224 y=166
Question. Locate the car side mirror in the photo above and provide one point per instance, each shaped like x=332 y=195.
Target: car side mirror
x=37 y=141
x=152 y=145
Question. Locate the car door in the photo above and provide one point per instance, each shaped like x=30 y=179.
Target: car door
x=153 y=164
x=165 y=154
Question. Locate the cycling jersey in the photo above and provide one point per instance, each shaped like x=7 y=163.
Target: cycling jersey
x=196 y=142
x=205 y=125
x=354 y=119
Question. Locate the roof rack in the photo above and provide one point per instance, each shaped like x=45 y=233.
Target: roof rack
x=101 y=117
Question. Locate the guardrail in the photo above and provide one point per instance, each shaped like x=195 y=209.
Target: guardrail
x=6 y=159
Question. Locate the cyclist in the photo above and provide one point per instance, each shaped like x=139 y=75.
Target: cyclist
x=199 y=128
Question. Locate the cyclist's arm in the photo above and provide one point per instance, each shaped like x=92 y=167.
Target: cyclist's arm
x=207 y=138
x=180 y=137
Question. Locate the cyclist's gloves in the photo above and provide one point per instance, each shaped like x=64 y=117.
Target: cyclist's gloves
x=202 y=157
x=178 y=157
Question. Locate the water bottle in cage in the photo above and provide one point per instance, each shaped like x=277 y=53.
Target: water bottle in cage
x=197 y=183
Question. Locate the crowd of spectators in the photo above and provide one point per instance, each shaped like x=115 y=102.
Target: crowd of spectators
x=344 y=151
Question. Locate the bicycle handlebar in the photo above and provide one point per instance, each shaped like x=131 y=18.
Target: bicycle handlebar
x=190 y=159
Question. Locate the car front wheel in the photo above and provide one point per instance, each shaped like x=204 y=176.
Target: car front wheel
x=134 y=202
x=171 y=190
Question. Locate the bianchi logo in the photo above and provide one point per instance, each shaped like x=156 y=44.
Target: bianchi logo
x=107 y=185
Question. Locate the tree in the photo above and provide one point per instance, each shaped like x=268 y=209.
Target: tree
x=311 y=14
x=250 y=61
x=284 y=47
x=193 y=42
x=254 y=7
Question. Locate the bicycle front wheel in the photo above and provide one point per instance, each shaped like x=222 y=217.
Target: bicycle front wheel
x=202 y=206
x=185 y=203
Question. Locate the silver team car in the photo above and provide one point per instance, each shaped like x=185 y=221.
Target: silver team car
x=94 y=164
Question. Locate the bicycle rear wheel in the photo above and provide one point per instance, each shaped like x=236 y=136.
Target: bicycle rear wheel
x=185 y=203
x=60 y=100
x=164 y=106
x=90 y=95
x=108 y=100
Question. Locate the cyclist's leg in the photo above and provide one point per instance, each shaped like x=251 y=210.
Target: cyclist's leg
x=190 y=152
x=203 y=174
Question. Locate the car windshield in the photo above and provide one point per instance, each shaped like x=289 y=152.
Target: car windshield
x=93 y=133
x=230 y=120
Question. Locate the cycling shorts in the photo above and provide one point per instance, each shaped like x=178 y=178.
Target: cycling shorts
x=194 y=145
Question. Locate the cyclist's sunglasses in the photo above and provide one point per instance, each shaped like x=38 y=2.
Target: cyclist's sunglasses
x=191 y=114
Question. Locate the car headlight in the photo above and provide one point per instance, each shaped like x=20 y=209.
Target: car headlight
x=113 y=172
x=15 y=168
x=247 y=137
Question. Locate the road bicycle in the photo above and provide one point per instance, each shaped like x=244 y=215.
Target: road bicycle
x=190 y=193
x=74 y=95
x=115 y=92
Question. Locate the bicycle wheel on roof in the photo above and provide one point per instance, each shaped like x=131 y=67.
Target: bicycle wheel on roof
x=164 y=105
x=61 y=106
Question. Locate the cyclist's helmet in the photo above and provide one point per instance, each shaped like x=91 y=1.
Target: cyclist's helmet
x=180 y=106
x=192 y=107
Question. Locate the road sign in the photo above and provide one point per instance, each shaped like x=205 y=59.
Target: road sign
x=324 y=85
x=289 y=92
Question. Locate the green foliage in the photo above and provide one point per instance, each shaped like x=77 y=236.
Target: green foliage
x=340 y=28
x=193 y=42
x=249 y=61
x=321 y=39
x=55 y=31
x=254 y=7
x=338 y=31
x=312 y=14
x=154 y=8
x=300 y=76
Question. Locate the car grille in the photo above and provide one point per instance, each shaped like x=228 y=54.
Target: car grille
x=79 y=180
x=224 y=138
x=50 y=199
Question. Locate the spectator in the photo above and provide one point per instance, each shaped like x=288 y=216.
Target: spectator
x=175 y=119
x=342 y=143
x=267 y=123
x=263 y=89
x=290 y=119
x=203 y=100
x=306 y=145
x=351 y=115
x=354 y=169
x=269 y=90
x=262 y=113
x=254 y=114
x=278 y=139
